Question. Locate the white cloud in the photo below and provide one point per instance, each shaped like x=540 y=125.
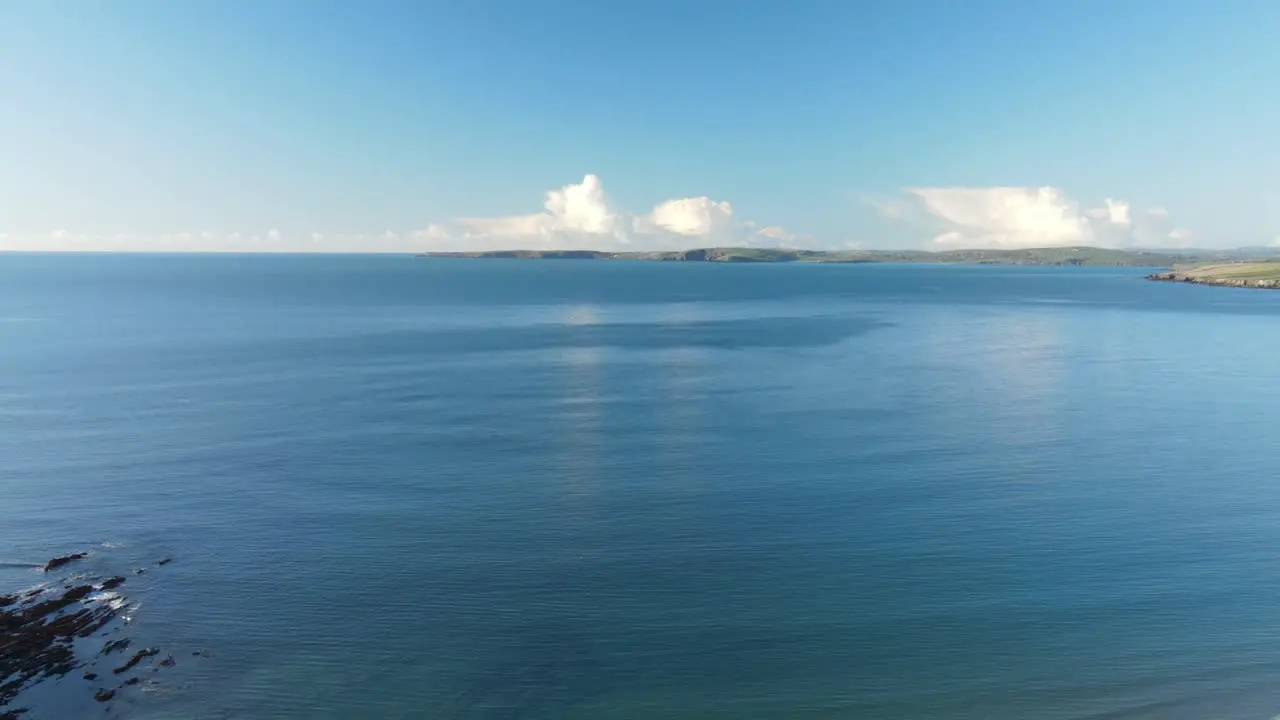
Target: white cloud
x=775 y=232
x=580 y=216
x=1022 y=217
x=691 y=217
x=432 y=233
x=1179 y=238
x=1117 y=212
x=573 y=215
x=582 y=208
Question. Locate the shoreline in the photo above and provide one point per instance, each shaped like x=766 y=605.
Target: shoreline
x=1262 y=276
x=1057 y=256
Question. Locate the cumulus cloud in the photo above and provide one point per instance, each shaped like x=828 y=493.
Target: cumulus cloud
x=572 y=215
x=580 y=216
x=1022 y=217
x=690 y=217
x=575 y=216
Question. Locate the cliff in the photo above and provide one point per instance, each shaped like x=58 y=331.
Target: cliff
x=1237 y=274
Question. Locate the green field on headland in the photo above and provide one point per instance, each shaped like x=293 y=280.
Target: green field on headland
x=1231 y=274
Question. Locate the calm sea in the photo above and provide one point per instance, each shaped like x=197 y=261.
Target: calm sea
x=396 y=487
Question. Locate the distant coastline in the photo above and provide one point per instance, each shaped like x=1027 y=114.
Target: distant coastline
x=1232 y=274
x=1084 y=256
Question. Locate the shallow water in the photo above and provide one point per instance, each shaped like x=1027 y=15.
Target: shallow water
x=397 y=487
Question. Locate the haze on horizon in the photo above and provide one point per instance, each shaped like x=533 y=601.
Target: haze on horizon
x=299 y=126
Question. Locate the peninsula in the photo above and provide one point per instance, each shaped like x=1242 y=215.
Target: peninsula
x=1227 y=274
x=1033 y=256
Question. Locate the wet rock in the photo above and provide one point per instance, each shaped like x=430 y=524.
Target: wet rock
x=168 y=662
x=38 y=632
x=164 y=561
x=13 y=714
x=137 y=658
x=58 y=562
x=52 y=605
x=115 y=645
x=39 y=629
x=139 y=571
x=131 y=681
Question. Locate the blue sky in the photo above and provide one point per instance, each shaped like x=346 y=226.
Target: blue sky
x=315 y=125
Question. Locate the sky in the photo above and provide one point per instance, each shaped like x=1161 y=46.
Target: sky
x=374 y=126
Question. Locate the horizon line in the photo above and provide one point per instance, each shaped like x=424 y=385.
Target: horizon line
x=427 y=252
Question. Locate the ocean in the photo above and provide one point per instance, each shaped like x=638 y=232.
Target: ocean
x=397 y=487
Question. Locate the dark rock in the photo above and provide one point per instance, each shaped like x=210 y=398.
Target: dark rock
x=55 y=604
x=115 y=645
x=168 y=662
x=58 y=562
x=37 y=638
x=132 y=681
x=39 y=629
x=137 y=658
x=139 y=571
x=13 y=714
x=164 y=561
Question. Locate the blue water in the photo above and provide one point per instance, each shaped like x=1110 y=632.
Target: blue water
x=397 y=487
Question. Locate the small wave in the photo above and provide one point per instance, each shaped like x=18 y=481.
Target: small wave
x=114 y=600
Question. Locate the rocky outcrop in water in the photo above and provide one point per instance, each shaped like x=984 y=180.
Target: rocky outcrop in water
x=58 y=562
x=115 y=645
x=43 y=632
x=137 y=658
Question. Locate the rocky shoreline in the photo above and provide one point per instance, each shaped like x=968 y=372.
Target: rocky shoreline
x=71 y=624
x=1182 y=277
